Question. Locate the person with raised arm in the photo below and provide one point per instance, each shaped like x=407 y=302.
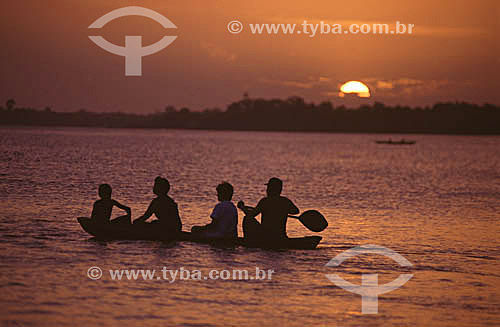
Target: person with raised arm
x=101 y=211
x=274 y=210
x=164 y=208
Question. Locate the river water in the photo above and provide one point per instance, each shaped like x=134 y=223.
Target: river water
x=435 y=203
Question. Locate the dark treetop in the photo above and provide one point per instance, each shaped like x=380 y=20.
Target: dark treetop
x=292 y=114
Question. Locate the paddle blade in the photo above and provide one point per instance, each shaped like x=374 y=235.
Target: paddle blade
x=313 y=220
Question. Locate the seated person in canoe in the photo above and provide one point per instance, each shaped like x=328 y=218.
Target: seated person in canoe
x=101 y=212
x=224 y=223
x=274 y=210
x=163 y=207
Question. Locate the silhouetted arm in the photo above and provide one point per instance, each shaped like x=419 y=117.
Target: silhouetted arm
x=249 y=211
x=123 y=207
x=149 y=212
x=215 y=215
x=93 y=215
x=293 y=210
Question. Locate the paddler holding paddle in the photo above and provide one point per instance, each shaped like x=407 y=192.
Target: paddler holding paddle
x=274 y=209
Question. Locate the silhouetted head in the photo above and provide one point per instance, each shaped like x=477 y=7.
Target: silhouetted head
x=274 y=186
x=225 y=191
x=105 y=191
x=161 y=186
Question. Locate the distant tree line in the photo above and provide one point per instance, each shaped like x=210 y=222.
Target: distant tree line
x=292 y=114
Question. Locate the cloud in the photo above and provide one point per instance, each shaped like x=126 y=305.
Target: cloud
x=309 y=83
x=404 y=85
x=218 y=52
x=300 y=85
x=381 y=87
x=408 y=82
x=384 y=85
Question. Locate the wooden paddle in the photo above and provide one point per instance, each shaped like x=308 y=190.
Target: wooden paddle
x=311 y=219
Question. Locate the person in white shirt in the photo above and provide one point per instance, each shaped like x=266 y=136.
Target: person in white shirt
x=224 y=223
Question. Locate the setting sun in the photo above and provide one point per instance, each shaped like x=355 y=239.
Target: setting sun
x=355 y=87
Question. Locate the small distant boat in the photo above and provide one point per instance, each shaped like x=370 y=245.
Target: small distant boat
x=391 y=142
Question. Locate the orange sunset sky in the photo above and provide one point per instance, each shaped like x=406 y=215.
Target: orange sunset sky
x=47 y=58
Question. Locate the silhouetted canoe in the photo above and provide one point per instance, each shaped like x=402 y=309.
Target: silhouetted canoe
x=402 y=142
x=148 y=232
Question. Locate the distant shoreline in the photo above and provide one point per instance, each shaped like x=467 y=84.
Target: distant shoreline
x=244 y=130
x=275 y=115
